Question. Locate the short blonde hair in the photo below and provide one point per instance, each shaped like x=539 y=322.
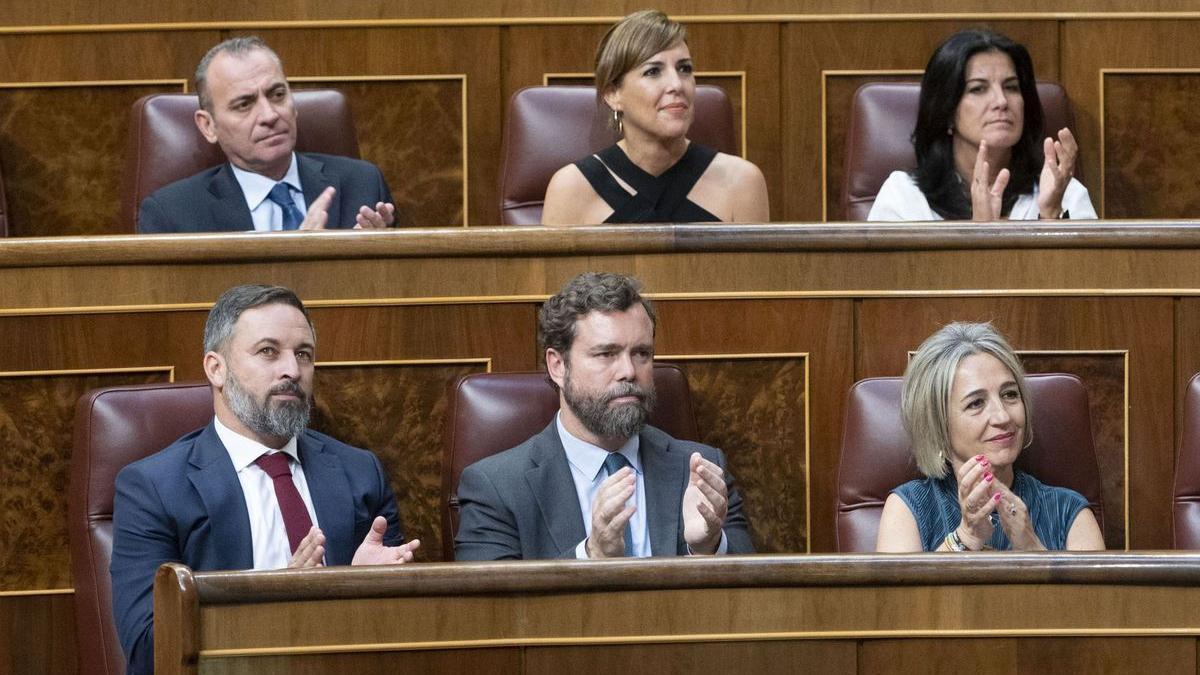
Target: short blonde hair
x=632 y=41
x=925 y=397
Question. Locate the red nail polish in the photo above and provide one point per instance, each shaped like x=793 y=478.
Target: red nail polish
x=979 y=457
x=987 y=477
x=996 y=497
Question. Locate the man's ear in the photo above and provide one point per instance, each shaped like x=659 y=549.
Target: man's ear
x=206 y=124
x=215 y=369
x=556 y=366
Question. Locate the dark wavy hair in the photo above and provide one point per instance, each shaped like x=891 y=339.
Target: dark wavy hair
x=941 y=89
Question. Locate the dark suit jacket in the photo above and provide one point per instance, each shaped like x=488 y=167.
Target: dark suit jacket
x=212 y=200
x=522 y=504
x=185 y=504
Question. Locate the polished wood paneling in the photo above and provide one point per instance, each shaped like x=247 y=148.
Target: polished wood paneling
x=1104 y=377
x=1031 y=655
x=808 y=49
x=755 y=409
x=413 y=131
x=398 y=411
x=1149 y=161
x=1088 y=47
x=382 y=663
x=35 y=454
x=52 y=192
x=37 y=634
x=694 y=657
x=1141 y=326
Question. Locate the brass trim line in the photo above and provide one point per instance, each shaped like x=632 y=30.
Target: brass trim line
x=748 y=356
x=170 y=370
x=485 y=361
x=697 y=637
x=680 y=296
x=137 y=27
x=53 y=84
x=446 y=77
x=46 y=591
x=825 y=75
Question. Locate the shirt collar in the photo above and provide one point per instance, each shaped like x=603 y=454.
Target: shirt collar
x=255 y=186
x=588 y=459
x=243 y=451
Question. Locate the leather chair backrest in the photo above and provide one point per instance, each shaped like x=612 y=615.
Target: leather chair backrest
x=165 y=145
x=876 y=456
x=552 y=126
x=1186 y=503
x=114 y=427
x=879 y=142
x=492 y=412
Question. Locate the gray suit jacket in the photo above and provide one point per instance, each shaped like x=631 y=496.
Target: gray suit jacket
x=212 y=200
x=521 y=503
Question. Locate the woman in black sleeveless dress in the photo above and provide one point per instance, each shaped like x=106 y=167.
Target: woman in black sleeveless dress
x=654 y=174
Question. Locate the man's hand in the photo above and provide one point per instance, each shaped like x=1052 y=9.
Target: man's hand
x=383 y=215
x=705 y=503
x=610 y=514
x=311 y=551
x=373 y=552
x=318 y=211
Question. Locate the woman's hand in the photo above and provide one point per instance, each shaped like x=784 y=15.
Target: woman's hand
x=987 y=198
x=1014 y=520
x=977 y=500
x=1056 y=173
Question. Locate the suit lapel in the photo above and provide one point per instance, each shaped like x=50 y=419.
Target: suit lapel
x=551 y=485
x=331 y=497
x=228 y=211
x=314 y=180
x=211 y=472
x=666 y=478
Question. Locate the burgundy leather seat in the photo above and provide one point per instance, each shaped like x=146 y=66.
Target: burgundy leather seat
x=165 y=145
x=113 y=427
x=550 y=127
x=492 y=412
x=880 y=137
x=1186 y=503
x=876 y=456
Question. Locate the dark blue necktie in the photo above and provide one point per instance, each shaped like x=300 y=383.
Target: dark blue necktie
x=612 y=464
x=281 y=194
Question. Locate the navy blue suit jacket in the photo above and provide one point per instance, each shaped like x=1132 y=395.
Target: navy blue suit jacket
x=185 y=504
x=212 y=200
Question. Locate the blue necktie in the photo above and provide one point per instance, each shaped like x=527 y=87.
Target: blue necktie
x=281 y=194
x=612 y=464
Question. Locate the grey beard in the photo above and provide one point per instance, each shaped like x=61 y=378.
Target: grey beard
x=285 y=420
x=624 y=421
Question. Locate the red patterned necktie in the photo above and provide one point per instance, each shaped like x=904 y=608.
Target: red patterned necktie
x=291 y=505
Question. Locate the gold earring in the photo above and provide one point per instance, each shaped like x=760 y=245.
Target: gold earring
x=619 y=123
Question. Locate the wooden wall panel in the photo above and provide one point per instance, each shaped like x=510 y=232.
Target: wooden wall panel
x=1104 y=377
x=35 y=459
x=465 y=51
x=1088 y=47
x=823 y=331
x=1031 y=655
x=413 y=131
x=754 y=409
x=503 y=660
x=397 y=411
x=767 y=656
x=810 y=48
x=37 y=634
x=1143 y=327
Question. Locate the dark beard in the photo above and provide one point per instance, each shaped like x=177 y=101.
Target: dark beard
x=282 y=420
x=624 y=421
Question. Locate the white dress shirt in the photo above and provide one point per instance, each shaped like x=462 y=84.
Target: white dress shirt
x=900 y=199
x=267 y=532
x=265 y=213
x=587 y=470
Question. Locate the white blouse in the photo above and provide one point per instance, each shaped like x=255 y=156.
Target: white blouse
x=900 y=199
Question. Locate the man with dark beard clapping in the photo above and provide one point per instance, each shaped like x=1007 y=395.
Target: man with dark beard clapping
x=598 y=482
x=255 y=489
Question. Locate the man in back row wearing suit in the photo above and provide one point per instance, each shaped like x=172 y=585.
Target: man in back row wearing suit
x=255 y=489
x=598 y=482
x=246 y=107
